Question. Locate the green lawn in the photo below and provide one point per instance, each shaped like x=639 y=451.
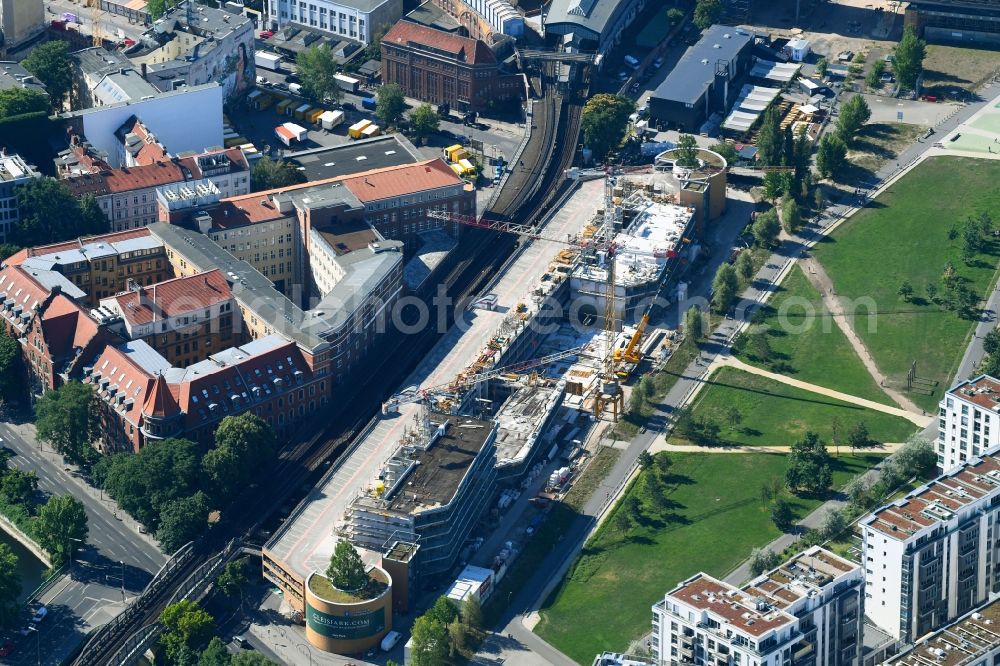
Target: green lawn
x=903 y=236
x=775 y=414
x=715 y=519
x=807 y=344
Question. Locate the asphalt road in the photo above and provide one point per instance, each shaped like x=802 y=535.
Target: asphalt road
x=90 y=592
x=110 y=23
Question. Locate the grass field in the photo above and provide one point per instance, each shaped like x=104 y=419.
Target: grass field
x=807 y=344
x=903 y=236
x=877 y=143
x=714 y=520
x=776 y=414
x=948 y=69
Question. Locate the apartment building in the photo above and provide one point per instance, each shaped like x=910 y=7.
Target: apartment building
x=142 y=397
x=351 y=19
x=14 y=172
x=973 y=640
x=102 y=77
x=438 y=67
x=184 y=319
x=484 y=18
x=21 y=21
x=931 y=557
x=806 y=612
x=100 y=266
x=968 y=421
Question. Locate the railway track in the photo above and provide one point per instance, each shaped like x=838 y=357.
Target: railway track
x=481 y=253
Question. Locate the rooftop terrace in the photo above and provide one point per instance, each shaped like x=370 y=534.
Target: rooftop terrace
x=966 y=641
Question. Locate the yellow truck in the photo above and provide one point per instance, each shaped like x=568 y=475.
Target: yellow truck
x=355 y=130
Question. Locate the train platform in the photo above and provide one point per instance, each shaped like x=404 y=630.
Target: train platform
x=307 y=538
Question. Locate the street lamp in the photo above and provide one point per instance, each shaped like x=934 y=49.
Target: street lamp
x=73 y=550
x=307 y=652
x=121 y=579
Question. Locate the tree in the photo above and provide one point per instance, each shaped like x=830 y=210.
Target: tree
x=390 y=103
x=472 y=614
x=645 y=460
x=156 y=8
x=182 y=520
x=61 y=527
x=215 y=654
x=18 y=101
x=444 y=610
x=250 y=658
x=687 y=151
x=346 y=571
x=931 y=290
x=65 y=420
x=17 y=487
x=674 y=16
x=822 y=66
x=775 y=184
x=707 y=13
x=11 y=369
x=765 y=228
x=906 y=290
x=809 y=466
x=621 y=522
x=316 y=68
x=430 y=642
x=725 y=288
x=770 y=139
x=853 y=115
x=51 y=63
x=268 y=174
x=781 y=514
x=726 y=150
x=244 y=444
x=694 y=327
x=605 y=118
x=831 y=156
x=874 y=76
x=744 y=266
x=233 y=579
x=791 y=216
x=759 y=347
x=424 y=120
x=972 y=242
x=187 y=627
x=663 y=463
x=646 y=386
x=908 y=58
x=161 y=472
x=834 y=522
x=10 y=584
x=49 y=213
x=916 y=458
x=456 y=638
x=763 y=559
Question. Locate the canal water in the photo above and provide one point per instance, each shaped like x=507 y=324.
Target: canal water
x=30 y=568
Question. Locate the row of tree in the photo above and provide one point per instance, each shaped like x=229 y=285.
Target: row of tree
x=189 y=639
x=445 y=632
x=170 y=487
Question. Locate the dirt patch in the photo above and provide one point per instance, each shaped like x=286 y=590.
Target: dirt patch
x=951 y=71
x=879 y=143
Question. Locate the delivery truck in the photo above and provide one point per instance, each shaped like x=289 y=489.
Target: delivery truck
x=355 y=130
x=348 y=83
x=271 y=61
x=289 y=133
x=368 y=103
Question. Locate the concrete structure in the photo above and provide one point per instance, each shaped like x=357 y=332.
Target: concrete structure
x=807 y=612
x=485 y=20
x=974 y=639
x=100 y=266
x=930 y=557
x=959 y=21
x=347 y=627
x=523 y=420
x=590 y=25
x=184 y=319
x=192 y=44
x=430 y=492
x=968 y=421
x=438 y=67
x=187 y=119
x=102 y=77
x=14 y=171
x=704 y=81
x=20 y=21
x=701 y=187
x=353 y=19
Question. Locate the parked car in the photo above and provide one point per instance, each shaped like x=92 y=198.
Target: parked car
x=280 y=85
x=887 y=78
x=658 y=63
x=347 y=106
x=266 y=34
x=40 y=615
x=242 y=643
x=622 y=75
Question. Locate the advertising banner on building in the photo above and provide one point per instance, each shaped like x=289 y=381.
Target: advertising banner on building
x=346 y=627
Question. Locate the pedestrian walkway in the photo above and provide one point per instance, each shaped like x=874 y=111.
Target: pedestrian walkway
x=819 y=279
x=661 y=445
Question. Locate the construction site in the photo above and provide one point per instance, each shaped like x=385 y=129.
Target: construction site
x=510 y=401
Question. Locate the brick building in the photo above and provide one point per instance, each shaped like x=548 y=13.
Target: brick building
x=439 y=67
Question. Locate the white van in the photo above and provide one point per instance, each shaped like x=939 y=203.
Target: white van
x=631 y=62
x=390 y=640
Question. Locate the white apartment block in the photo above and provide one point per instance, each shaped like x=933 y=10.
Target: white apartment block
x=973 y=640
x=807 y=612
x=352 y=19
x=932 y=556
x=968 y=421
x=14 y=171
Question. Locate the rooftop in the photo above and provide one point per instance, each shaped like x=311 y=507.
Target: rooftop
x=432 y=16
x=737 y=608
x=463 y=49
x=939 y=500
x=521 y=417
x=172 y=298
x=594 y=15
x=965 y=641
x=125 y=179
x=97 y=62
x=88 y=248
x=799 y=577
x=13 y=75
x=122 y=86
x=337 y=161
x=695 y=72
x=15 y=168
x=983 y=391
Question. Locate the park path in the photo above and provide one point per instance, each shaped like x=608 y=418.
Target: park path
x=661 y=445
x=819 y=279
x=915 y=417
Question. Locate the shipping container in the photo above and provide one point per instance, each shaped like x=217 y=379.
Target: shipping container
x=331 y=119
x=290 y=132
x=302 y=111
x=370 y=131
x=450 y=150
x=354 y=131
x=267 y=60
x=368 y=103
x=283 y=105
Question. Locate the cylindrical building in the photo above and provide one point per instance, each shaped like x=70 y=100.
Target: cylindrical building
x=346 y=622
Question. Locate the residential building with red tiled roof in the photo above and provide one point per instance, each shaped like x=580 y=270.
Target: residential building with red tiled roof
x=144 y=398
x=437 y=67
x=931 y=556
x=808 y=609
x=185 y=319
